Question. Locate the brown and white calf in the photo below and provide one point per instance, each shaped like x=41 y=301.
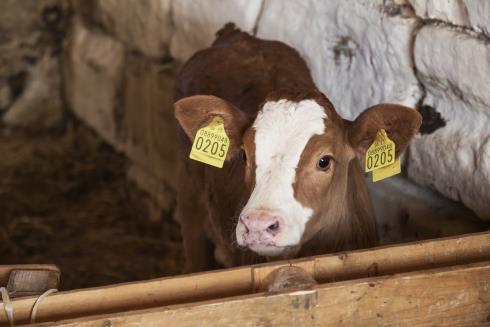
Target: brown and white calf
x=291 y=184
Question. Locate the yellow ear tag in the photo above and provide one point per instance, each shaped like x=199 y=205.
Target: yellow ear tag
x=380 y=157
x=388 y=171
x=211 y=144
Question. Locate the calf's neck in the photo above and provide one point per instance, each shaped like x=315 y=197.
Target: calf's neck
x=291 y=184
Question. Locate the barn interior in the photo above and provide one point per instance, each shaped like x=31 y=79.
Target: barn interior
x=87 y=133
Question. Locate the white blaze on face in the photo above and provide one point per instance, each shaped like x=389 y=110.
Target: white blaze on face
x=282 y=130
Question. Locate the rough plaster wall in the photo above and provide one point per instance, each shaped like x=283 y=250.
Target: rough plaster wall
x=358 y=54
x=19 y=20
x=93 y=71
x=455 y=159
x=30 y=76
x=197 y=21
x=469 y=13
x=126 y=98
x=143 y=26
x=40 y=105
x=452 y=55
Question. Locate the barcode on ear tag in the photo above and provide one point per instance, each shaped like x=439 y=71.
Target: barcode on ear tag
x=211 y=144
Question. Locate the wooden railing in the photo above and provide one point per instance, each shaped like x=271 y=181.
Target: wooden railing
x=451 y=274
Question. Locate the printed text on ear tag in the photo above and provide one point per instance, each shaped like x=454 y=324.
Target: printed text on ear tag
x=381 y=153
x=211 y=144
x=387 y=171
x=380 y=157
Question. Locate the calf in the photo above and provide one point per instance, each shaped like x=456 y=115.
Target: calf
x=291 y=184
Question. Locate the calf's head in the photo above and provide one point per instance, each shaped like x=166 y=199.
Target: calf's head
x=297 y=157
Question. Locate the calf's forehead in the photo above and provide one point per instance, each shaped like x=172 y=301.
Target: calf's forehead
x=282 y=130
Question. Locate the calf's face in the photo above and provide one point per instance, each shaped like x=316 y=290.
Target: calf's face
x=296 y=156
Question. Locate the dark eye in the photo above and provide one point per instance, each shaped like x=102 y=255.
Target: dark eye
x=323 y=163
x=243 y=155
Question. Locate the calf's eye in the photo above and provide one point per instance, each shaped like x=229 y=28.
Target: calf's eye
x=323 y=163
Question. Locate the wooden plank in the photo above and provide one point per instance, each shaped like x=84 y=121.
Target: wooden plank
x=389 y=259
x=455 y=296
x=288 y=278
x=246 y=280
x=130 y=296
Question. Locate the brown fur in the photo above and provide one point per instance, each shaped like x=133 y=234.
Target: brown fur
x=232 y=79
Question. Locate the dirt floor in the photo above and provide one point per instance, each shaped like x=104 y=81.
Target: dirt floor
x=64 y=199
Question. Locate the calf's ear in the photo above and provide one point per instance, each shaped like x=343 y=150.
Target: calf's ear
x=197 y=111
x=399 y=122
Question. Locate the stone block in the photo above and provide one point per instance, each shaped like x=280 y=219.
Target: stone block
x=93 y=71
x=470 y=13
x=40 y=105
x=407 y=212
x=19 y=19
x=146 y=125
x=454 y=68
x=142 y=25
x=196 y=22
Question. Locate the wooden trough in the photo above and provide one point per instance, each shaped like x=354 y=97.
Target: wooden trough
x=437 y=282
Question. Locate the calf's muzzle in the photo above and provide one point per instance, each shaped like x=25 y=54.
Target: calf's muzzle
x=258 y=229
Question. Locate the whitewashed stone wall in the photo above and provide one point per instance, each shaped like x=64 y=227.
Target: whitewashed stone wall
x=429 y=54
x=197 y=21
x=454 y=68
x=144 y=26
x=452 y=56
x=467 y=13
x=122 y=86
x=93 y=77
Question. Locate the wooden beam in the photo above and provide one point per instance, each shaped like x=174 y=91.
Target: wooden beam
x=249 y=279
x=390 y=259
x=130 y=296
x=455 y=296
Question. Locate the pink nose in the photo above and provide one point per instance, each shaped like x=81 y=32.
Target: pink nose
x=259 y=227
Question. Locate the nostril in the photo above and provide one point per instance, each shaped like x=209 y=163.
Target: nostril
x=274 y=227
x=244 y=225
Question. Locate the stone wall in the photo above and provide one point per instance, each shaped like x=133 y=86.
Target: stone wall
x=119 y=59
x=119 y=80
x=105 y=61
x=30 y=83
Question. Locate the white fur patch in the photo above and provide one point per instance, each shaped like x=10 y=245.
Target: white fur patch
x=282 y=130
